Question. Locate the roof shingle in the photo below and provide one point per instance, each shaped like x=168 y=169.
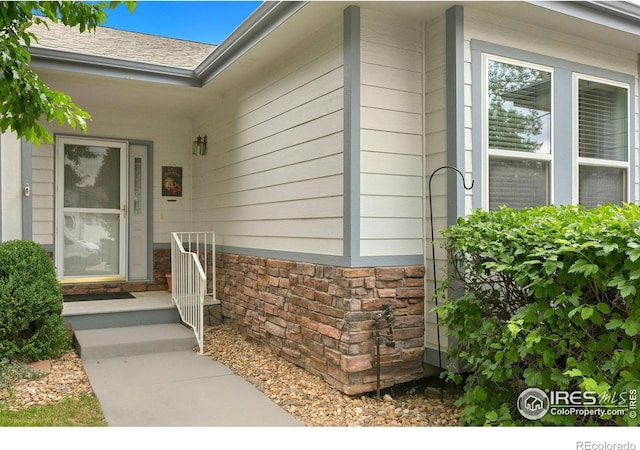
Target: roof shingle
x=126 y=45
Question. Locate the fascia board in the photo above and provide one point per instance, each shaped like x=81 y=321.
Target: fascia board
x=112 y=67
x=622 y=16
x=258 y=25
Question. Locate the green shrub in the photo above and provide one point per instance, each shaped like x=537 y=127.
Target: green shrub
x=31 y=324
x=549 y=298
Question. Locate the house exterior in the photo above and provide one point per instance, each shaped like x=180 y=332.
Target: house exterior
x=325 y=122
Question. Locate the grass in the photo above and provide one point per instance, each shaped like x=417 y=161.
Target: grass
x=73 y=411
x=82 y=411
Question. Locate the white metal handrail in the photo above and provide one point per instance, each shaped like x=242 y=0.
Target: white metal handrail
x=192 y=260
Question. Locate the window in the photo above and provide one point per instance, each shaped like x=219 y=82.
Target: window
x=603 y=142
x=518 y=133
x=551 y=131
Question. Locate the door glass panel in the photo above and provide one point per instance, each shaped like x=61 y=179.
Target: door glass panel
x=91 y=177
x=91 y=244
x=92 y=215
x=137 y=185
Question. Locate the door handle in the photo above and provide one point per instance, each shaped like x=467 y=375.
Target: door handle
x=124 y=211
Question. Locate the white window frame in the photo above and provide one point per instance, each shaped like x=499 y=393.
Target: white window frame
x=584 y=161
x=488 y=152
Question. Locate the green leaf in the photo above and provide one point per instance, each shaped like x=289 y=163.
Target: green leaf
x=573 y=373
x=491 y=416
x=584 y=267
x=631 y=327
x=532 y=338
x=633 y=254
x=586 y=312
x=515 y=326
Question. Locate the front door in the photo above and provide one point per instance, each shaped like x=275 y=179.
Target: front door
x=91 y=209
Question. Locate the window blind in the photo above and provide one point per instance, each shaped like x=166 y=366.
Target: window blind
x=517 y=183
x=601 y=185
x=602 y=121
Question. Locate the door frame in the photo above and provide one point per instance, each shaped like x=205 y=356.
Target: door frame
x=60 y=142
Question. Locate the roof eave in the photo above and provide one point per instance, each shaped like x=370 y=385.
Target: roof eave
x=619 y=15
x=265 y=19
x=258 y=25
x=47 y=58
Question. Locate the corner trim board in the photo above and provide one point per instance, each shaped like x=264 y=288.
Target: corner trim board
x=351 y=177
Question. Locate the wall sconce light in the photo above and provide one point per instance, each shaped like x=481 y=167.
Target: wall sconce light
x=200 y=146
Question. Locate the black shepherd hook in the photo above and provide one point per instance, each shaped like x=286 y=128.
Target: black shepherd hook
x=433 y=248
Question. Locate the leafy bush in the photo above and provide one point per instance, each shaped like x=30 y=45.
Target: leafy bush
x=550 y=299
x=31 y=324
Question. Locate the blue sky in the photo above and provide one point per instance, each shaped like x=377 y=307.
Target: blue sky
x=201 y=21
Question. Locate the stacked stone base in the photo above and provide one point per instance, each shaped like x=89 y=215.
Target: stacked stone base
x=323 y=318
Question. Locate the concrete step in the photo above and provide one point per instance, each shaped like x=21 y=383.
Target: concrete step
x=147 y=308
x=116 y=342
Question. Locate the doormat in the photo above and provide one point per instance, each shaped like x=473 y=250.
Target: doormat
x=104 y=296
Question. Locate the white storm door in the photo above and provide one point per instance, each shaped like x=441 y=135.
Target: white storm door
x=91 y=209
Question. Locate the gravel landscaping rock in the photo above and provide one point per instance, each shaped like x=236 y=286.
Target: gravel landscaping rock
x=305 y=396
x=55 y=379
x=312 y=401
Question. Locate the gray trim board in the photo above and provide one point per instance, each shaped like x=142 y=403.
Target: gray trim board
x=264 y=20
x=46 y=58
x=351 y=177
x=562 y=115
x=562 y=108
x=27 y=202
x=455 y=110
x=330 y=260
x=623 y=16
x=259 y=24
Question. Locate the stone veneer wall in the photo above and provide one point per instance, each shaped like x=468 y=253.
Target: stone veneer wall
x=322 y=318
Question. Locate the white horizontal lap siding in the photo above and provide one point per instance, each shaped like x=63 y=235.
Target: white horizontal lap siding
x=544 y=41
x=42 y=194
x=468 y=129
x=436 y=156
x=273 y=176
x=391 y=119
x=636 y=121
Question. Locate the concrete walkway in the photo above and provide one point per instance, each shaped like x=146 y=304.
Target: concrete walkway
x=179 y=389
x=145 y=373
